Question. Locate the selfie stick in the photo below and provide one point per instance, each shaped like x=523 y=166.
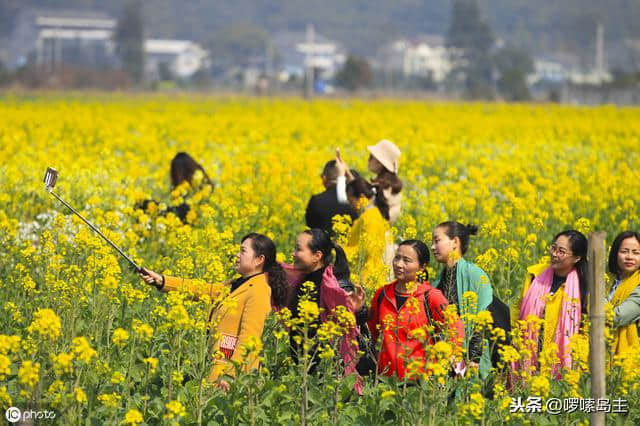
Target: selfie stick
x=50 y=179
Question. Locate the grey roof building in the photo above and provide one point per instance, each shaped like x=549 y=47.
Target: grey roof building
x=52 y=38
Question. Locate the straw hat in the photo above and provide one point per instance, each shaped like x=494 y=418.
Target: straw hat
x=387 y=153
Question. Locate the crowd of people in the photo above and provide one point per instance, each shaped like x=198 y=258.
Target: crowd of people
x=386 y=324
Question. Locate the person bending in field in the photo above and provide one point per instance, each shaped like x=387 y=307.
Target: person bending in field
x=184 y=171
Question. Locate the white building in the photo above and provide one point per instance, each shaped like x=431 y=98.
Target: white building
x=183 y=58
x=427 y=56
x=548 y=71
x=558 y=69
x=52 y=38
x=298 y=49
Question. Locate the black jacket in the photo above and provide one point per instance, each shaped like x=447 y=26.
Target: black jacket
x=322 y=207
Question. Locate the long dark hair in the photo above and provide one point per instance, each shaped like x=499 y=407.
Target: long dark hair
x=422 y=251
x=359 y=187
x=579 y=247
x=276 y=277
x=463 y=232
x=183 y=166
x=387 y=179
x=615 y=248
x=321 y=241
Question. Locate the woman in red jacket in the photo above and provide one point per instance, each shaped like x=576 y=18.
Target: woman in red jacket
x=402 y=307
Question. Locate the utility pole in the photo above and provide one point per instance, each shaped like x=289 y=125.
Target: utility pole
x=596 y=258
x=600 y=52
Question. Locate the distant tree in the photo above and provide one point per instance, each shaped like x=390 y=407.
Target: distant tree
x=130 y=39
x=238 y=45
x=164 y=72
x=5 y=76
x=513 y=66
x=467 y=30
x=355 y=74
x=472 y=39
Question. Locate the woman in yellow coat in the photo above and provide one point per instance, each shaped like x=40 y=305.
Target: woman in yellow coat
x=369 y=246
x=624 y=265
x=262 y=284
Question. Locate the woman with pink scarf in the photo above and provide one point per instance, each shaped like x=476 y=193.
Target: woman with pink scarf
x=557 y=294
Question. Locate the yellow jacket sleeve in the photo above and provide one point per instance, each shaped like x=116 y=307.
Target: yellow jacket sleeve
x=197 y=289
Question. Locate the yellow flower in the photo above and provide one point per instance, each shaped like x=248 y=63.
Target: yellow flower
x=80 y=396
x=511 y=254
x=14 y=311
x=308 y=311
x=443 y=350
x=411 y=287
x=29 y=374
x=62 y=363
x=152 y=363
x=469 y=302
x=532 y=239
x=508 y=354
x=9 y=344
x=326 y=352
x=133 y=417
x=83 y=351
x=419 y=333
x=177 y=376
x=253 y=346
x=45 y=323
x=540 y=386
x=483 y=319
x=475 y=407
x=5 y=366
x=120 y=337
x=174 y=409
x=583 y=225
x=142 y=330
x=117 y=378
x=111 y=400
x=56 y=392
x=362 y=203
x=5 y=398
x=179 y=316
x=387 y=394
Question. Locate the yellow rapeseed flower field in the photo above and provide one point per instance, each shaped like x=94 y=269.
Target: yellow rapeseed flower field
x=78 y=329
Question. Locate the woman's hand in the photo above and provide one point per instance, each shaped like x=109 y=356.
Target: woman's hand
x=343 y=168
x=223 y=385
x=150 y=277
x=340 y=165
x=357 y=297
x=459 y=367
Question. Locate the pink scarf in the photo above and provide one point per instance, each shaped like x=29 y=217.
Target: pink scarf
x=331 y=296
x=534 y=302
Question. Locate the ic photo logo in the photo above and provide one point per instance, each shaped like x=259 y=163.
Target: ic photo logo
x=14 y=415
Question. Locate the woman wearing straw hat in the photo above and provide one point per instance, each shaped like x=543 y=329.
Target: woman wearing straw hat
x=383 y=161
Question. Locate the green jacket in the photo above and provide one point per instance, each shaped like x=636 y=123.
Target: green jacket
x=469 y=277
x=628 y=311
